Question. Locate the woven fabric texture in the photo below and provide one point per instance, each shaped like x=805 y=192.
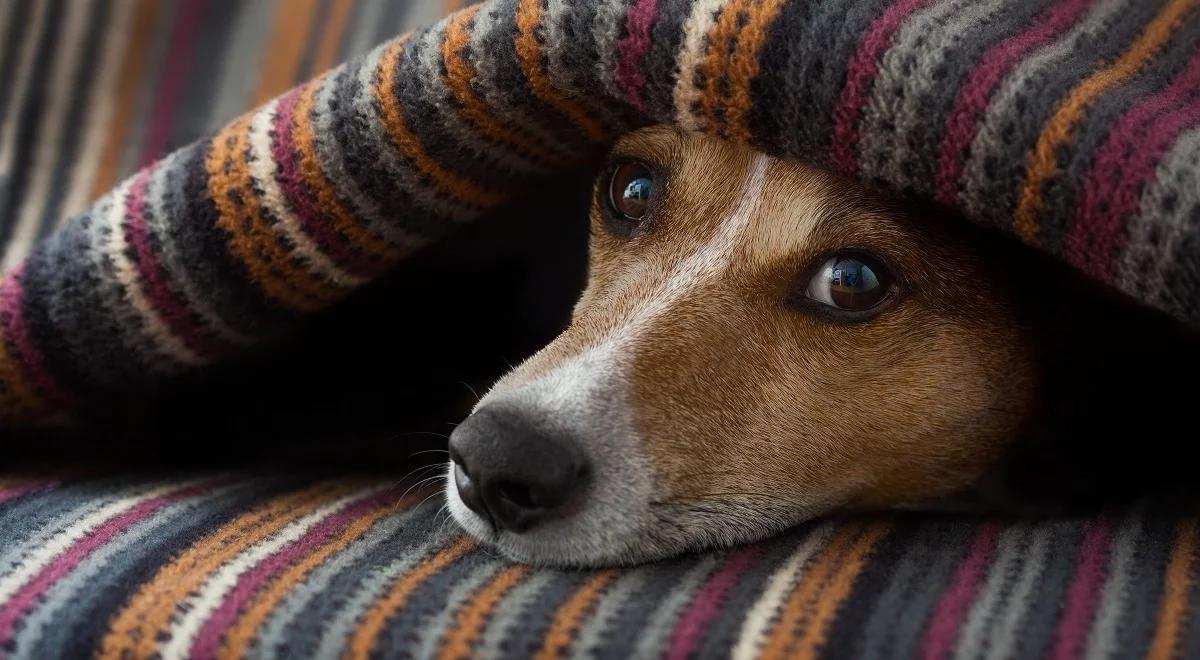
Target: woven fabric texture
x=233 y=566
x=1071 y=123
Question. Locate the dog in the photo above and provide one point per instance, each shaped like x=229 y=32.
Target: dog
x=761 y=343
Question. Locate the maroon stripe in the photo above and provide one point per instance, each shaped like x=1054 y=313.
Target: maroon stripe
x=175 y=77
x=954 y=604
x=962 y=123
x=21 y=344
x=291 y=181
x=707 y=603
x=1083 y=594
x=632 y=50
x=154 y=284
x=1123 y=166
x=860 y=74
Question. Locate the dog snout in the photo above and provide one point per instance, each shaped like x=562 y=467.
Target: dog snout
x=512 y=473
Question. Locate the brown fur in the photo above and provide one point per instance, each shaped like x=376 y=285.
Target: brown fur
x=739 y=397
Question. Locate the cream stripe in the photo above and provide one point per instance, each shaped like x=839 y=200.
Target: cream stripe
x=200 y=606
x=101 y=101
x=695 y=43
x=781 y=583
x=263 y=169
x=52 y=121
x=53 y=547
x=127 y=276
x=24 y=73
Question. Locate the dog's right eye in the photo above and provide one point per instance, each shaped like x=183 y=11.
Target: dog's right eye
x=630 y=187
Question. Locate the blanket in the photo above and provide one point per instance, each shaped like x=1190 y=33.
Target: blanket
x=1072 y=124
x=228 y=565
x=196 y=259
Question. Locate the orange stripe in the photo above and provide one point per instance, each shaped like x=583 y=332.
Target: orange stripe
x=240 y=215
x=1043 y=161
x=331 y=35
x=836 y=591
x=281 y=56
x=243 y=632
x=714 y=67
x=372 y=622
x=459 y=74
x=394 y=123
x=326 y=197
x=529 y=15
x=139 y=39
x=472 y=617
x=570 y=615
x=1177 y=587
x=743 y=68
x=135 y=630
x=819 y=573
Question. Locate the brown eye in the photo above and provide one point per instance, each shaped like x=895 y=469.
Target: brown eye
x=629 y=190
x=850 y=282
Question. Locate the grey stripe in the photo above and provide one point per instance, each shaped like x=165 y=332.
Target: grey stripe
x=914 y=74
x=172 y=259
x=193 y=117
x=370 y=126
x=154 y=64
x=1011 y=554
x=1167 y=210
x=596 y=634
x=37 y=634
x=335 y=630
x=917 y=582
x=1029 y=623
x=511 y=613
x=1075 y=159
x=412 y=624
x=435 y=628
x=501 y=83
x=439 y=107
x=420 y=79
x=271 y=638
x=995 y=170
x=1137 y=624
x=330 y=154
x=1012 y=609
x=360 y=34
x=660 y=622
x=241 y=62
x=1103 y=639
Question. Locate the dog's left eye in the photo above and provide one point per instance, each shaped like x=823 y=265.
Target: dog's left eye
x=850 y=282
x=629 y=190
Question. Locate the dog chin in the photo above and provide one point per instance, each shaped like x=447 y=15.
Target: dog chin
x=626 y=538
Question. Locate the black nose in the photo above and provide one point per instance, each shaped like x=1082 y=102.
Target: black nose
x=513 y=474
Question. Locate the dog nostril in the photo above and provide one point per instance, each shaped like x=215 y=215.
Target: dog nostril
x=519 y=494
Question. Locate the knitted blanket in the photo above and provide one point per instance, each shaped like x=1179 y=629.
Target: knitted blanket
x=1074 y=124
x=229 y=566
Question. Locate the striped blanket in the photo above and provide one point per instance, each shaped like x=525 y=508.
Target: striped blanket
x=1074 y=124
x=231 y=566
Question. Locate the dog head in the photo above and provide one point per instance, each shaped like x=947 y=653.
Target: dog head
x=759 y=343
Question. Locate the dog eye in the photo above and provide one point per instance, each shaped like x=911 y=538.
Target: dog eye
x=629 y=190
x=850 y=282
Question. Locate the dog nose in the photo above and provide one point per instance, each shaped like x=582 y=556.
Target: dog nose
x=513 y=474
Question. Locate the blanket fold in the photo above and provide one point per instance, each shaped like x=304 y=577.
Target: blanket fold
x=1073 y=124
